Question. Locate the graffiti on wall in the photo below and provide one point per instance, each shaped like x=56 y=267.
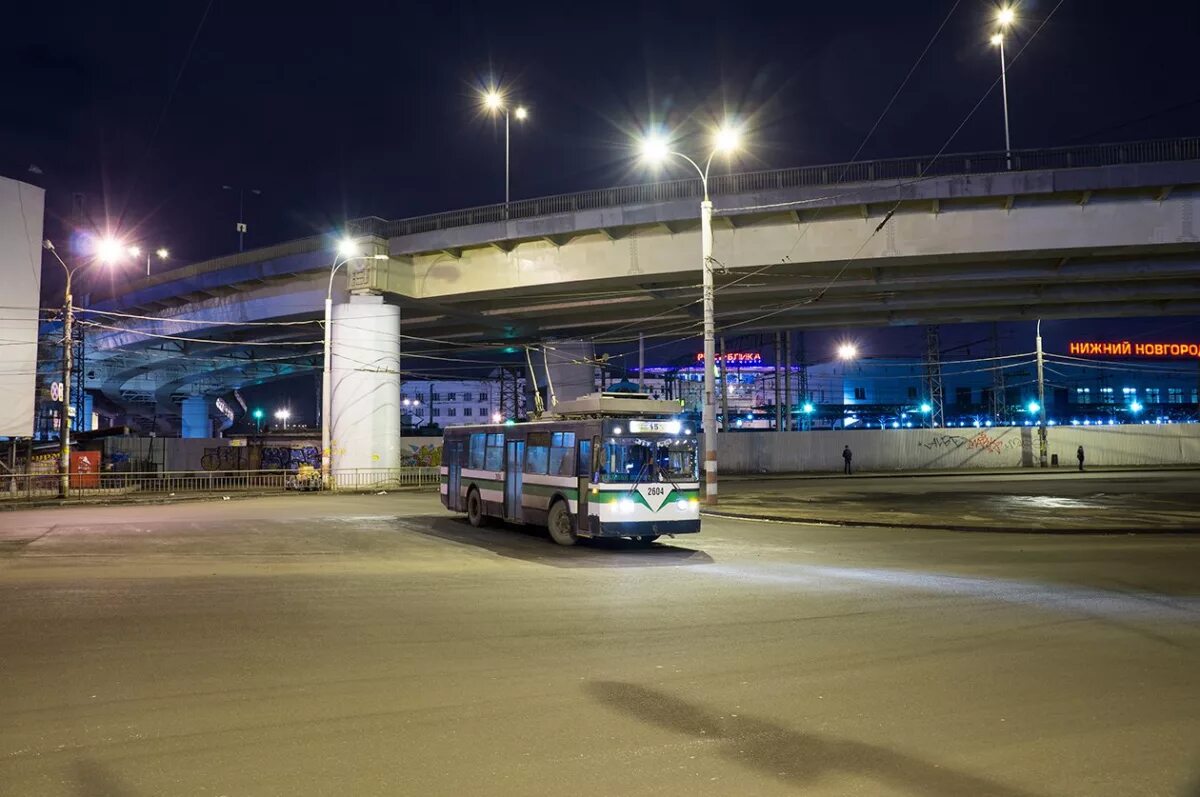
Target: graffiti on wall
x=225 y=458
x=980 y=442
x=415 y=456
x=289 y=458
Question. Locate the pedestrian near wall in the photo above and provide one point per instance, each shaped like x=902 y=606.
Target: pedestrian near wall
x=848 y=455
x=1079 y=456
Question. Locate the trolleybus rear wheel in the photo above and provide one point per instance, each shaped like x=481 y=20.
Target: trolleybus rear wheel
x=475 y=509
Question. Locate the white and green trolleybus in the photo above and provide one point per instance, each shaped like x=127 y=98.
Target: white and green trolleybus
x=605 y=465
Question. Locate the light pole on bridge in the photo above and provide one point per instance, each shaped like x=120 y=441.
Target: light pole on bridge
x=494 y=101
x=1004 y=18
x=657 y=149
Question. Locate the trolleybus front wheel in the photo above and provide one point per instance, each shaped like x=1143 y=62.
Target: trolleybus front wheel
x=560 y=525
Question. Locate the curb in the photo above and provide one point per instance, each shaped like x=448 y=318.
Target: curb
x=12 y=505
x=883 y=524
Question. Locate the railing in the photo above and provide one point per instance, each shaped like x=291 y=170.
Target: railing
x=895 y=169
x=27 y=487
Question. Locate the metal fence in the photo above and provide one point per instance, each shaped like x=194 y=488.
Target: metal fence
x=1090 y=155
x=26 y=487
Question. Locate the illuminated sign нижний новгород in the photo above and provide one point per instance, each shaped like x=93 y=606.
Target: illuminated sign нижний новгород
x=1125 y=348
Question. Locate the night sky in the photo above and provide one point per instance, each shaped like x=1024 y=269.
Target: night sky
x=336 y=111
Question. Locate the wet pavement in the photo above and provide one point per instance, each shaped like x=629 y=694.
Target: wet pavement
x=1113 y=502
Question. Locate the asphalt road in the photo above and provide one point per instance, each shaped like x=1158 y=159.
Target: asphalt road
x=1058 y=500
x=316 y=645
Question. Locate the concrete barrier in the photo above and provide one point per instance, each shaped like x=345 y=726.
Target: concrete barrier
x=936 y=449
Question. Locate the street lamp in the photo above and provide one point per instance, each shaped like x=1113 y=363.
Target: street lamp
x=283 y=415
x=493 y=101
x=241 y=222
x=109 y=251
x=1004 y=18
x=258 y=416
x=657 y=149
x=347 y=250
x=136 y=251
x=847 y=351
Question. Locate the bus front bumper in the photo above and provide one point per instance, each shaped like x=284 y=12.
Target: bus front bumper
x=639 y=529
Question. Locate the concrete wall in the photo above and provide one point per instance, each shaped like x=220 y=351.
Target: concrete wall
x=920 y=449
x=216 y=454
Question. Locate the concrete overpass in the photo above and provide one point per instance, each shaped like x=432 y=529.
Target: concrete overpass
x=1095 y=231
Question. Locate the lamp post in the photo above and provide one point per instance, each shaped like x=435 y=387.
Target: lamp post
x=1041 y=400
x=657 y=149
x=241 y=222
x=347 y=250
x=1004 y=18
x=283 y=415
x=493 y=100
x=107 y=251
x=162 y=252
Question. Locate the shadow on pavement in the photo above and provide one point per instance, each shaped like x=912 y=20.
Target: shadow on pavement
x=794 y=757
x=94 y=780
x=532 y=544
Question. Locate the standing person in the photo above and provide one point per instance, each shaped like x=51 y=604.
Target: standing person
x=1079 y=456
x=848 y=455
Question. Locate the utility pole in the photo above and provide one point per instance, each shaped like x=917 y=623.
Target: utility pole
x=641 y=363
x=933 y=375
x=787 y=381
x=999 y=400
x=1041 y=384
x=802 y=398
x=724 y=389
x=778 y=408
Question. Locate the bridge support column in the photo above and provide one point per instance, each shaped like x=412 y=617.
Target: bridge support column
x=365 y=386
x=194 y=415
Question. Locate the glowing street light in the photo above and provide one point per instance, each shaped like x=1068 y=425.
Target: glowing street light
x=656 y=149
x=135 y=251
x=283 y=415
x=109 y=251
x=1004 y=18
x=493 y=101
x=1034 y=408
x=1135 y=406
x=808 y=408
x=926 y=409
x=847 y=351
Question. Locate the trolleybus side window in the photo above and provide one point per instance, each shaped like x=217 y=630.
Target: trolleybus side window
x=476 y=459
x=537 y=453
x=562 y=454
x=494 y=457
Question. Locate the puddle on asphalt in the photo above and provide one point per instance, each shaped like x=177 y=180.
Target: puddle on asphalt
x=1047 y=502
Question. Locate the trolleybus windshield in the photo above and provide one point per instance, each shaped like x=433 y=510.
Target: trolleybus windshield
x=633 y=460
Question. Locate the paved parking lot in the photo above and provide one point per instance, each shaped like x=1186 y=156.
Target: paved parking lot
x=367 y=645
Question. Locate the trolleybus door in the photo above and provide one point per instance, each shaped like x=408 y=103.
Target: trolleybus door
x=584 y=469
x=513 y=466
x=454 y=458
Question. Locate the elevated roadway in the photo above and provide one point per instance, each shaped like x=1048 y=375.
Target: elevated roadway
x=1096 y=231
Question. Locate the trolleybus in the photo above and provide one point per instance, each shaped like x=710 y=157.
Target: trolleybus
x=605 y=465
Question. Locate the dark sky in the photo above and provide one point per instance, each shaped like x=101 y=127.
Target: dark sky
x=338 y=110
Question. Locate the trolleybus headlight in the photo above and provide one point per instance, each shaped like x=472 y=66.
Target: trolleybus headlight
x=673 y=427
x=681 y=505
x=625 y=506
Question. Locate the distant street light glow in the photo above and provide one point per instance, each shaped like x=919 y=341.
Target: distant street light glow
x=1135 y=406
x=493 y=100
x=521 y=113
x=727 y=139
x=163 y=253
x=997 y=40
x=1005 y=16
x=348 y=247
x=1034 y=407
x=847 y=351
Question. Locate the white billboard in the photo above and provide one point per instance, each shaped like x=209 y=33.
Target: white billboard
x=22 y=208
